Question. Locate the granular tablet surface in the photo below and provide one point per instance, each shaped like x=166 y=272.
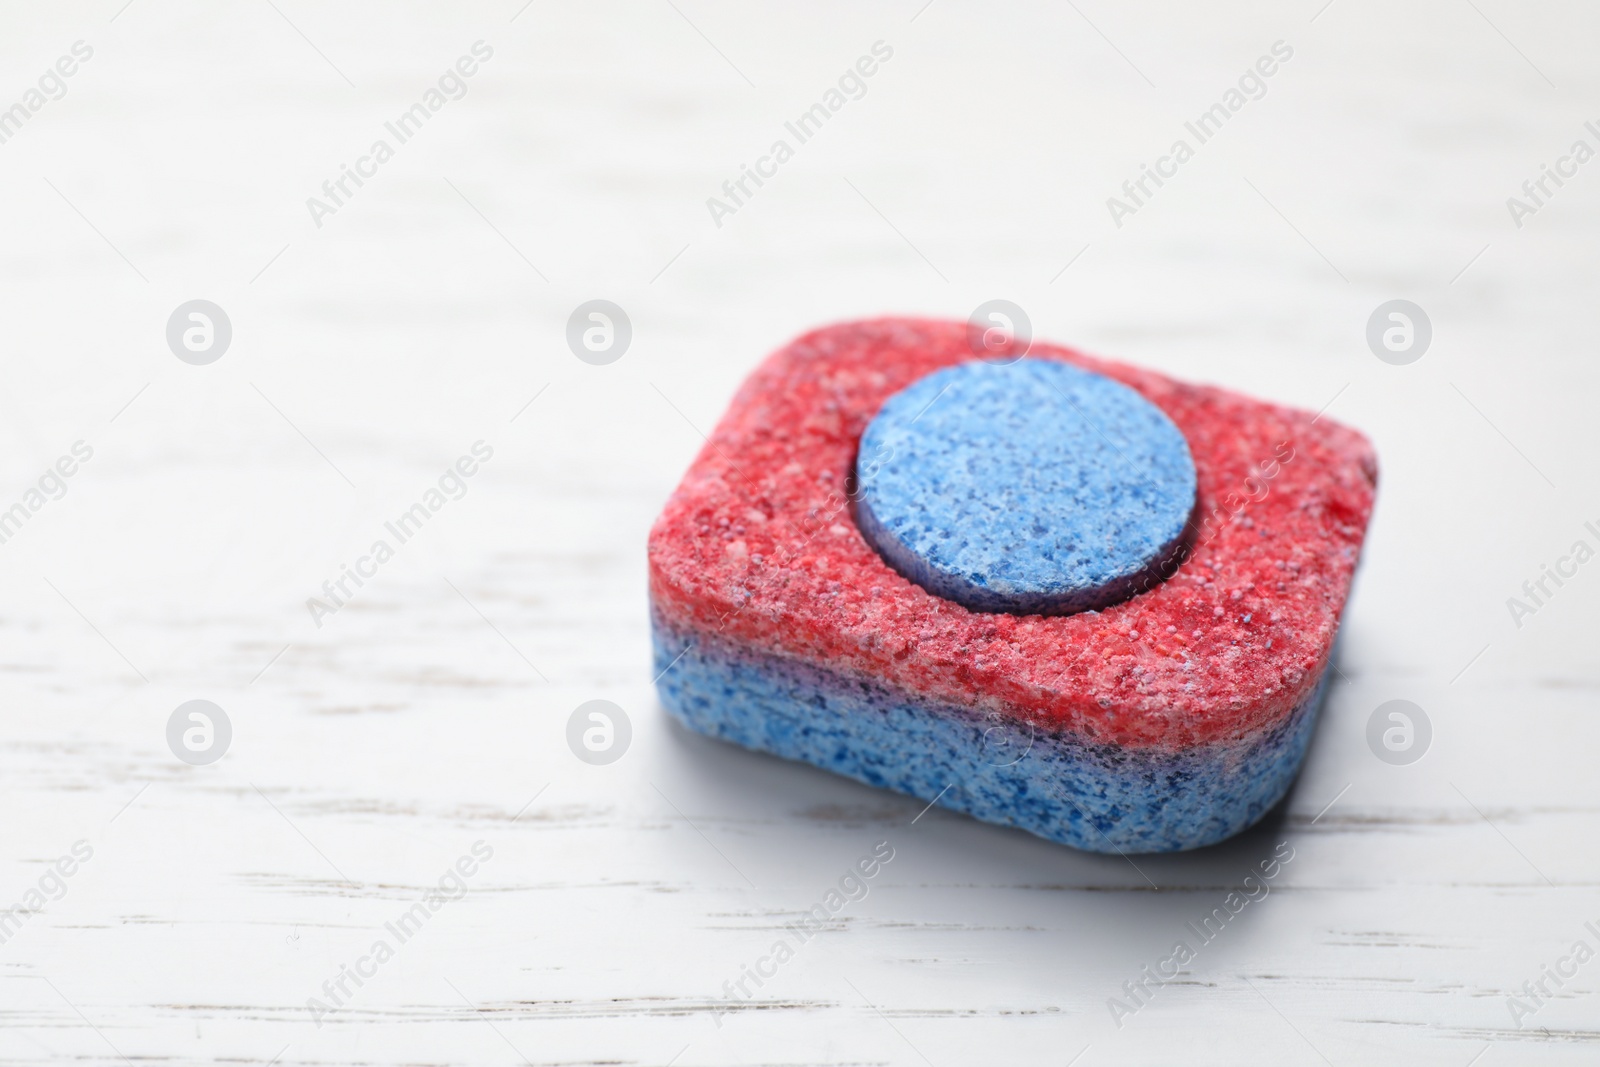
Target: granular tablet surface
x=1170 y=720
x=1032 y=488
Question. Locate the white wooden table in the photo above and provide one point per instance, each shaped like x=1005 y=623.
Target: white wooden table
x=429 y=712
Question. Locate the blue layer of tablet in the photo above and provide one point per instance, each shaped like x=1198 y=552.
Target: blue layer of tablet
x=1034 y=488
x=1099 y=797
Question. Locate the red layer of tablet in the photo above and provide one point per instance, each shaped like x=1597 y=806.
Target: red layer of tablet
x=758 y=546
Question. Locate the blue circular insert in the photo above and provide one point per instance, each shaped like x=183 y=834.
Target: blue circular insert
x=1033 y=488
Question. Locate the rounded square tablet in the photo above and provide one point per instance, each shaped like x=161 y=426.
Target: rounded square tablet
x=1170 y=720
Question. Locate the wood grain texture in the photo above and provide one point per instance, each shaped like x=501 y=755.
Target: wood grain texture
x=371 y=753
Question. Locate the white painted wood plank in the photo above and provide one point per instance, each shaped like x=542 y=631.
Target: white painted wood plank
x=370 y=753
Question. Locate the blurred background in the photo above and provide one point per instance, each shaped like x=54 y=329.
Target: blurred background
x=376 y=333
